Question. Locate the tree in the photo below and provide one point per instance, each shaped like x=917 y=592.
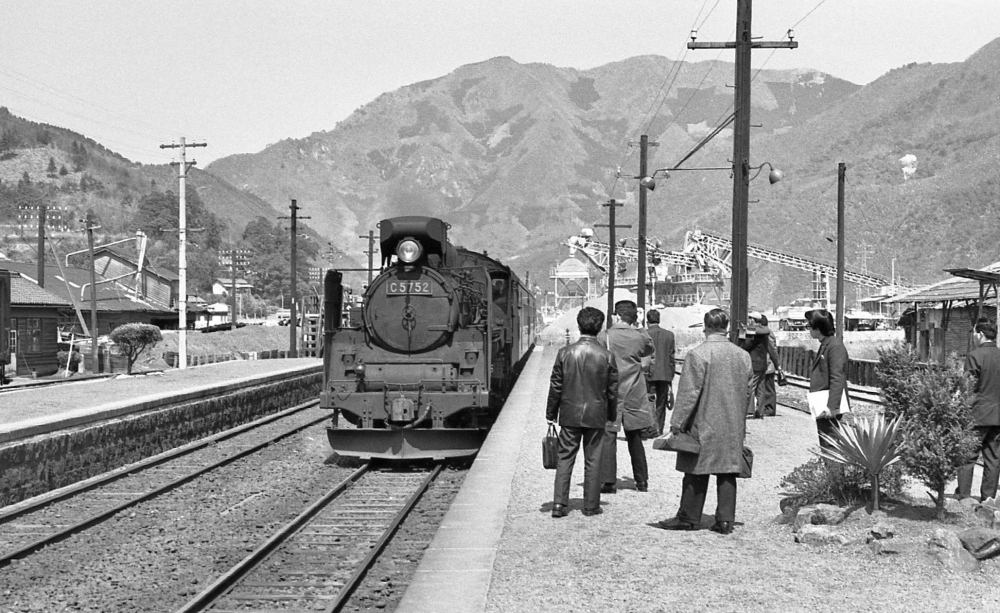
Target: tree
x=62 y=171
x=51 y=169
x=133 y=339
x=934 y=402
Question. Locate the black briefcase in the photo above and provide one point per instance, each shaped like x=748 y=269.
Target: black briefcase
x=550 y=449
x=746 y=463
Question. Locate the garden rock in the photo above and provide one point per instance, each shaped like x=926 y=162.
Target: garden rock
x=883 y=530
x=982 y=543
x=946 y=547
x=820 y=514
x=820 y=535
x=892 y=547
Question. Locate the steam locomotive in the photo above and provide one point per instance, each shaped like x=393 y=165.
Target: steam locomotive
x=425 y=369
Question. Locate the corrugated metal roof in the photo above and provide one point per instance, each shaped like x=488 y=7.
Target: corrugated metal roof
x=109 y=296
x=959 y=287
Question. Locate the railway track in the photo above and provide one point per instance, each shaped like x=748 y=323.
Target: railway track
x=28 y=527
x=316 y=561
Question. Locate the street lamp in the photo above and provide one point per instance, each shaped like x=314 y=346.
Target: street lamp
x=737 y=291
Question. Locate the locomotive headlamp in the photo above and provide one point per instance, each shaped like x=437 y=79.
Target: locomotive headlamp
x=359 y=370
x=408 y=250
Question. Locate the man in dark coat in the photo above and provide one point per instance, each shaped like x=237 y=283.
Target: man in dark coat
x=760 y=345
x=661 y=370
x=629 y=345
x=711 y=406
x=984 y=364
x=583 y=395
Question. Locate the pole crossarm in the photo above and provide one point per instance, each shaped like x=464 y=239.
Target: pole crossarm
x=757 y=44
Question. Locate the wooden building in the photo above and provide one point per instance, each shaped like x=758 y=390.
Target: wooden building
x=938 y=319
x=35 y=316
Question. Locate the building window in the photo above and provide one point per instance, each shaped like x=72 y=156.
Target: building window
x=33 y=334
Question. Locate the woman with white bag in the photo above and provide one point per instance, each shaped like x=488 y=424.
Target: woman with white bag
x=828 y=375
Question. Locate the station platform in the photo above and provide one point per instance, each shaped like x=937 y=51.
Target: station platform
x=28 y=410
x=499 y=549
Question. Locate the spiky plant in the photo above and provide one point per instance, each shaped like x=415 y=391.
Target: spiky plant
x=870 y=444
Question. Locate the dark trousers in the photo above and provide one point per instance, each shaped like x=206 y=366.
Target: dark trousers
x=989 y=445
x=664 y=402
x=770 y=396
x=755 y=393
x=693 y=491
x=609 y=457
x=826 y=426
x=569 y=444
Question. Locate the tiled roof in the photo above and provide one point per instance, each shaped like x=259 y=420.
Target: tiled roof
x=24 y=293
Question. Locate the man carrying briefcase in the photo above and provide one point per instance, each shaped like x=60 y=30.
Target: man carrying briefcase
x=583 y=396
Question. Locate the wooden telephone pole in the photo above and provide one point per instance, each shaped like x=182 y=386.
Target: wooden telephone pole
x=741 y=157
x=612 y=204
x=293 y=315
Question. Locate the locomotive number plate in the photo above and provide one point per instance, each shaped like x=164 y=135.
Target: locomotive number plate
x=408 y=288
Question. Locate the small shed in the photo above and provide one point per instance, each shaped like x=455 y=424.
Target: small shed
x=34 y=327
x=939 y=318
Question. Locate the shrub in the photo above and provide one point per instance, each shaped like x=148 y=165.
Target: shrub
x=940 y=435
x=74 y=359
x=897 y=365
x=870 y=444
x=133 y=339
x=819 y=481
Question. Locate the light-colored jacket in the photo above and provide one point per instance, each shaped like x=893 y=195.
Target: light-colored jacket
x=711 y=404
x=629 y=345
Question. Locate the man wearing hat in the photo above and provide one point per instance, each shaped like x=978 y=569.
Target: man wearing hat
x=629 y=345
x=760 y=344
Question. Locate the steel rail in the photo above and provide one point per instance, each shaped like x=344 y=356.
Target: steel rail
x=223 y=584
x=369 y=561
x=95 y=519
x=211 y=595
x=86 y=485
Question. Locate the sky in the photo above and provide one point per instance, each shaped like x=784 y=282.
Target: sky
x=240 y=75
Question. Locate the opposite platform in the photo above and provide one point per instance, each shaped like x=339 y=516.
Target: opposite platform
x=30 y=411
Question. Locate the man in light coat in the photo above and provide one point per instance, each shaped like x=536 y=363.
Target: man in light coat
x=583 y=395
x=629 y=345
x=711 y=406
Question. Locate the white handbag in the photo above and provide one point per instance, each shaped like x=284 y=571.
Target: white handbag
x=818 y=404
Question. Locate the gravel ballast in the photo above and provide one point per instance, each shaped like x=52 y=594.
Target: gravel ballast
x=618 y=561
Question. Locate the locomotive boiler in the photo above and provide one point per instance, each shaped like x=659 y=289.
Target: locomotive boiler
x=423 y=370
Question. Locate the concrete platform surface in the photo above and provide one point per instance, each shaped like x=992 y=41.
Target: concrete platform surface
x=42 y=408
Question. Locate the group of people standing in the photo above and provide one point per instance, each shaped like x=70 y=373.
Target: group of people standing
x=598 y=388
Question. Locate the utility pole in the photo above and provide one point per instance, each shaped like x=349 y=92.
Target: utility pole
x=237 y=260
x=182 y=168
x=644 y=144
x=841 y=177
x=741 y=157
x=370 y=252
x=292 y=322
x=612 y=204
x=94 y=331
x=41 y=246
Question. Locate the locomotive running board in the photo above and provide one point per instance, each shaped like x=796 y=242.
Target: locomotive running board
x=405 y=444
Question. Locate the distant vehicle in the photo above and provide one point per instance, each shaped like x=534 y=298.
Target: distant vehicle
x=793 y=316
x=284 y=316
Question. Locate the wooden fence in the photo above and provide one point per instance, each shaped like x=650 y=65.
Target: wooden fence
x=798 y=361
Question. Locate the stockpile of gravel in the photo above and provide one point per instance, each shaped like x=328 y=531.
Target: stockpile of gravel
x=619 y=562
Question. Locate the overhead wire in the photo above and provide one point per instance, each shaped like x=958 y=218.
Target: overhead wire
x=671 y=76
